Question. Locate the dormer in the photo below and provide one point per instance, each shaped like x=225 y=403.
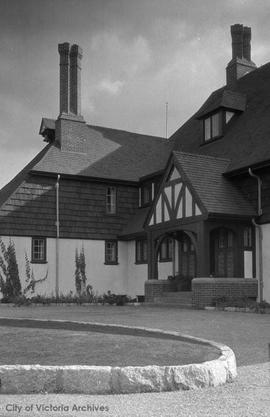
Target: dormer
x=218 y=112
x=47 y=129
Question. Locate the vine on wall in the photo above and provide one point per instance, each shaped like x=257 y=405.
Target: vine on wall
x=80 y=275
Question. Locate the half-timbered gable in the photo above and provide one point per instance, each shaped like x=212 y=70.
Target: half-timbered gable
x=176 y=199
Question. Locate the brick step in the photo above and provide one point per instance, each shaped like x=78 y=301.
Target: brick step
x=168 y=305
x=184 y=295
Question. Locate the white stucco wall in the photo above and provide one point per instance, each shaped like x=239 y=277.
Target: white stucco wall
x=266 y=261
x=136 y=274
x=124 y=278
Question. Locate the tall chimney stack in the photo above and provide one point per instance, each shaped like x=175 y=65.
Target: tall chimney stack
x=241 y=63
x=237 y=41
x=64 y=51
x=71 y=130
x=75 y=79
x=246 y=43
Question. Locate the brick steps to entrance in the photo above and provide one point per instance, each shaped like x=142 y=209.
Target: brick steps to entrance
x=180 y=299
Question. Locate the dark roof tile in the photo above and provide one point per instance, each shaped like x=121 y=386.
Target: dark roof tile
x=113 y=154
x=246 y=140
x=217 y=193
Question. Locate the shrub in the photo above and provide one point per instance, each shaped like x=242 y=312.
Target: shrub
x=10 y=284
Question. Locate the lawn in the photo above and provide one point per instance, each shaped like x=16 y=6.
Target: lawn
x=247 y=334
x=64 y=347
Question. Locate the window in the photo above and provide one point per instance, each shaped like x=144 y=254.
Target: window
x=141 y=251
x=39 y=250
x=111 y=200
x=248 y=238
x=215 y=124
x=165 y=253
x=225 y=239
x=212 y=126
x=146 y=194
x=111 y=252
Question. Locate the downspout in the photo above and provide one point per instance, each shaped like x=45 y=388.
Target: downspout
x=260 y=235
x=57 y=239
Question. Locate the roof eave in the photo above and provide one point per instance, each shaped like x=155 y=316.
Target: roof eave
x=244 y=170
x=84 y=178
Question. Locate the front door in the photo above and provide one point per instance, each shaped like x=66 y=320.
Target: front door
x=187 y=263
x=222 y=253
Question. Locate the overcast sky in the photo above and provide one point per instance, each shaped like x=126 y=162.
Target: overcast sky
x=137 y=55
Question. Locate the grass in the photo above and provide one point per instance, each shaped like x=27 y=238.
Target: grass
x=247 y=334
x=64 y=347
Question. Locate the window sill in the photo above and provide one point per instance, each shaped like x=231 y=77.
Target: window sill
x=140 y=262
x=166 y=260
x=205 y=142
x=111 y=263
x=38 y=262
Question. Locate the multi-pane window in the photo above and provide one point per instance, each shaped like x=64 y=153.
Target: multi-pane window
x=111 y=255
x=248 y=238
x=141 y=251
x=111 y=200
x=215 y=124
x=225 y=239
x=38 y=249
x=212 y=126
x=165 y=253
x=146 y=194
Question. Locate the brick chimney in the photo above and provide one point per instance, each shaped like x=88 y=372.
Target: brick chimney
x=241 y=63
x=71 y=129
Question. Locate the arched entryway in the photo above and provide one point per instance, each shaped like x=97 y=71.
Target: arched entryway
x=222 y=252
x=176 y=256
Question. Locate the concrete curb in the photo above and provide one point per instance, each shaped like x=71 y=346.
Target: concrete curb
x=26 y=379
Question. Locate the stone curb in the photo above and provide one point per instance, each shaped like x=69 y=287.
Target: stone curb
x=26 y=379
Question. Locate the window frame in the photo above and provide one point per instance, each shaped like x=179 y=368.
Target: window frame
x=107 y=260
x=248 y=238
x=168 y=257
x=149 y=187
x=43 y=259
x=139 y=250
x=225 y=117
x=211 y=117
x=108 y=206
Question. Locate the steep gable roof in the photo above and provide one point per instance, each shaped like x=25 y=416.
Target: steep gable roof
x=216 y=193
x=246 y=141
x=112 y=153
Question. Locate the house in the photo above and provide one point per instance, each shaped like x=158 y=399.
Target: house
x=194 y=208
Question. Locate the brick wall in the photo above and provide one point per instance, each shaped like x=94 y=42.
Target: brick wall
x=156 y=287
x=205 y=290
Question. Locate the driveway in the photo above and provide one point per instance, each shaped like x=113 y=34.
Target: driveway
x=246 y=333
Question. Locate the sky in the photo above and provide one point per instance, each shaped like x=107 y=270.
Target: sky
x=138 y=55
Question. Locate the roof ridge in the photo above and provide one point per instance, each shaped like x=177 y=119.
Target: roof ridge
x=126 y=131
x=202 y=156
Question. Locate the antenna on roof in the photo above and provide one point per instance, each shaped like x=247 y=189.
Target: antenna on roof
x=166 y=123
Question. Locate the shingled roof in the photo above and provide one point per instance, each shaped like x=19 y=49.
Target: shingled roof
x=247 y=139
x=217 y=193
x=113 y=154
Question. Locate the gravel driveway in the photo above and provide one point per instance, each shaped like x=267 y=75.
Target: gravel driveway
x=247 y=334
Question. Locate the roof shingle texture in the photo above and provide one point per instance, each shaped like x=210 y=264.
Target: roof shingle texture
x=247 y=139
x=113 y=154
x=217 y=193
